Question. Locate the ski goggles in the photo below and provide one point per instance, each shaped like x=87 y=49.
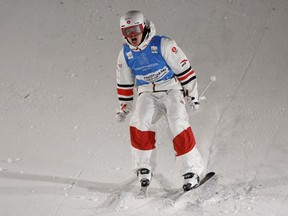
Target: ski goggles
x=132 y=31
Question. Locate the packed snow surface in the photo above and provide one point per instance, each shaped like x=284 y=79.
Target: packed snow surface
x=62 y=153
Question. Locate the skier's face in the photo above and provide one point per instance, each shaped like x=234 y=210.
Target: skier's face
x=135 y=40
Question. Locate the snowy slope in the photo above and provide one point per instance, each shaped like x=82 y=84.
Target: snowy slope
x=62 y=152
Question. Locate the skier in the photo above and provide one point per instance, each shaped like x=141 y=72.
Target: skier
x=163 y=77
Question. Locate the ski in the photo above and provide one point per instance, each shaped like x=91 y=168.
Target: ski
x=206 y=178
x=180 y=194
x=143 y=193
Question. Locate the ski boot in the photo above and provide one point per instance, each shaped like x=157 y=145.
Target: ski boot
x=191 y=180
x=144 y=175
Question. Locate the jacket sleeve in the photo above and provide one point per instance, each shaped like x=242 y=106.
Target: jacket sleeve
x=180 y=65
x=125 y=82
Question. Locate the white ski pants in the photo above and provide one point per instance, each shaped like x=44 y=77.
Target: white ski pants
x=150 y=107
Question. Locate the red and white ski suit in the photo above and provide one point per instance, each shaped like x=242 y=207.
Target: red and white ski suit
x=156 y=99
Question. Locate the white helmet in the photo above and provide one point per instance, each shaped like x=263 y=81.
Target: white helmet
x=132 y=23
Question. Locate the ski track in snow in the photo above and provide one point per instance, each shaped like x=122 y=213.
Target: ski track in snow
x=222 y=114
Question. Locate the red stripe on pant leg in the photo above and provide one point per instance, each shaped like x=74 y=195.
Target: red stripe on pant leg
x=142 y=140
x=184 y=142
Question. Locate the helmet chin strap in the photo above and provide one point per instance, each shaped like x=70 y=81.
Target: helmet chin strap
x=145 y=34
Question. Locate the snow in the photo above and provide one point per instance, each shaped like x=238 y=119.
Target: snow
x=63 y=153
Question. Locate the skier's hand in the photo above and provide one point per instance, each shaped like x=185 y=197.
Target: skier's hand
x=123 y=112
x=121 y=115
x=193 y=103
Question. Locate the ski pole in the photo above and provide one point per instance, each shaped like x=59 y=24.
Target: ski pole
x=212 y=79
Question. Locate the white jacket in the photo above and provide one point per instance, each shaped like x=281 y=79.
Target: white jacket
x=185 y=77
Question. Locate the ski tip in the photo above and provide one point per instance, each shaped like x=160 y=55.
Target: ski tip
x=208 y=176
x=211 y=173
